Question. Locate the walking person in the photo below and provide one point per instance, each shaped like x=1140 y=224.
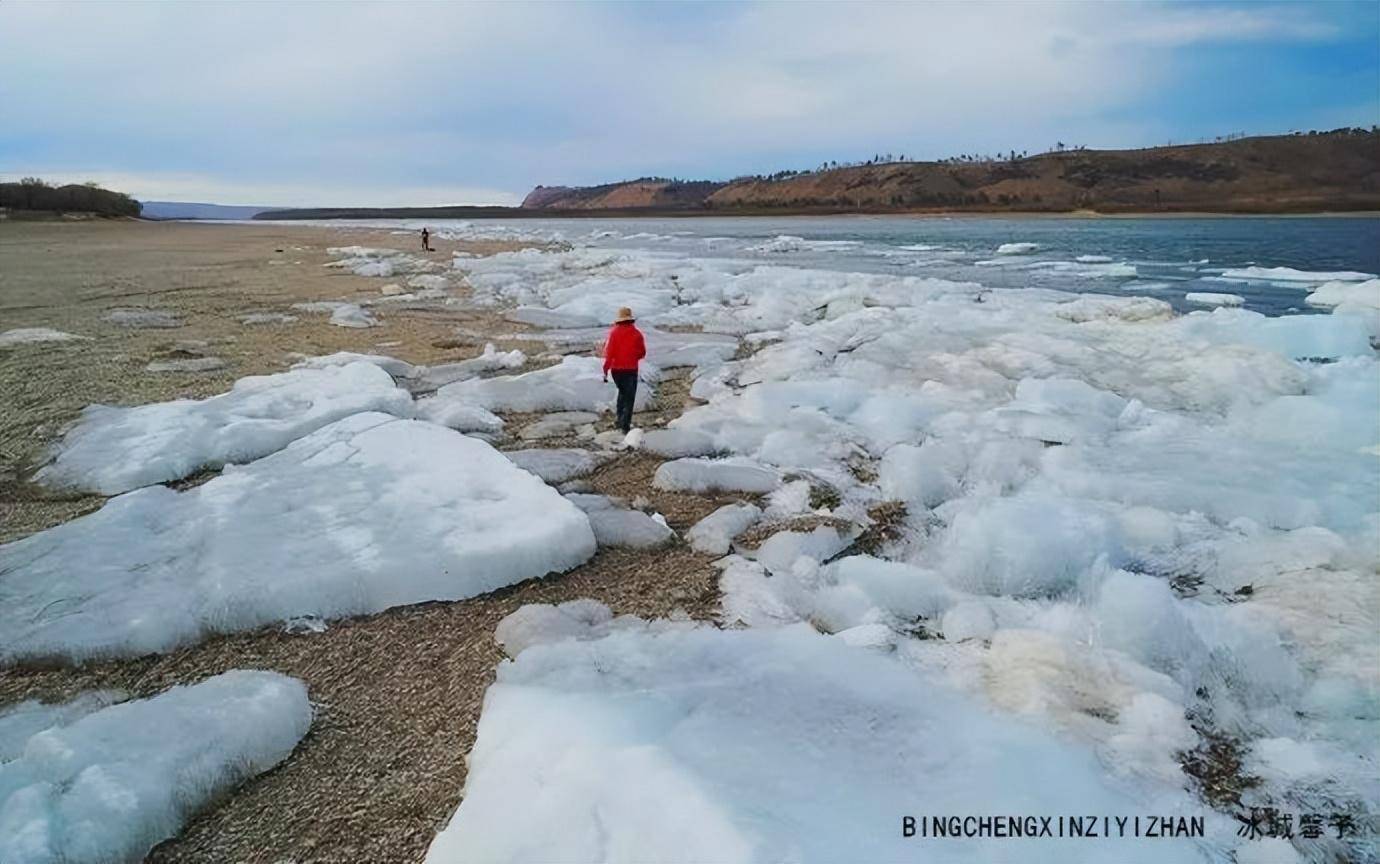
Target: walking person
x=426 y=240
x=622 y=351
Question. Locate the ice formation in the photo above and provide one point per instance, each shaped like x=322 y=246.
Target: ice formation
x=35 y=335
x=601 y=721
x=1208 y=298
x=96 y=782
x=114 y=449
x=366 y=513
x=1116 y=519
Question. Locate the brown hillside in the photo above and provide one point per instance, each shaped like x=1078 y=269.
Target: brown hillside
x=1332 y=171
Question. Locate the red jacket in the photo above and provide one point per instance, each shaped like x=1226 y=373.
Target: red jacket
x=623 y=348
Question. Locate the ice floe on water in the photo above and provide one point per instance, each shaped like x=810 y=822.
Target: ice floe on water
x=114 y=449
x=1289 y=275
x=91 y=781
x=361 y=515
x=1017 y=248
x=1208 y=298
x=600 y=721
x=36 y=335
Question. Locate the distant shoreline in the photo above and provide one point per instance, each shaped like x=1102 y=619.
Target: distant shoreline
x=423 y=213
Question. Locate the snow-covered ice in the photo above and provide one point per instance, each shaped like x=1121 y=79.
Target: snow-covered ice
x=114 y=449
x=361 y=515
x=618 y=526
x=1362 y=294
x=773 y=745
x=1017 y=248
x=97 y=782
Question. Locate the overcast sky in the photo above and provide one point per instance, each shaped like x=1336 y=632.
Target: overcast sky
x=447 y=103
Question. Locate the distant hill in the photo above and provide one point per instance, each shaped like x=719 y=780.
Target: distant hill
x=190 y=210
x=32 y=197
x=1337 y=170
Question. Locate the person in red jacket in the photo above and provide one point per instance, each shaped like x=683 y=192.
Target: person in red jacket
x=622 y=350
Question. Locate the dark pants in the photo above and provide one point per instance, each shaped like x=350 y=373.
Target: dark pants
x=626 y=382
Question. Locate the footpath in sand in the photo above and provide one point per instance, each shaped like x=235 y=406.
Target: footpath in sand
x=397 y=694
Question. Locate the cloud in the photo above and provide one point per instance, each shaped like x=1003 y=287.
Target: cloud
x=364 y=102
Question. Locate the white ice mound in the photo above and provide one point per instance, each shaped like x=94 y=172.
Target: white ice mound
x=112 y=784
x=366 y=513
x=734 y=474
x=574 y=384
x=114 y=449
x=774 y=745
x=1017 y=248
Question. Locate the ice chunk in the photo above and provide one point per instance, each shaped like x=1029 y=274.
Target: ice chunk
x=538 y=623
x=734 y=474
x=631 y=528
x=556 y=425
x=1359 y=294
x=113 y=449
x=675 y=442
x=778 y=553
x=364 y=514
x=583 y=741
x=556 y=465
x=574 y=384
x=1017 y=248
x=490 y=360
x=454 y=414
x=186 y=364
x=1289 y=274
x=351 y=315
x=1207 y=298
x=114 y=783
x=34 y=335
x=392 y=365
x=713 y=535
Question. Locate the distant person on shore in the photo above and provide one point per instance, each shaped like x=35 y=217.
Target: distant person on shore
x=426 y=241
x=622 y=351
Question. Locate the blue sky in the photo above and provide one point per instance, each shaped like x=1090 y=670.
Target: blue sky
x=440 y=103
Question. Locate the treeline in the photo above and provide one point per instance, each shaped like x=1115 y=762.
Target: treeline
x=31 y=193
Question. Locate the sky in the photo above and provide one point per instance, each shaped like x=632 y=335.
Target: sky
x=391 y=104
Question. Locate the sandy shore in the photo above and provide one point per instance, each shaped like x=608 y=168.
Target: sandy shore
x=397 y=694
